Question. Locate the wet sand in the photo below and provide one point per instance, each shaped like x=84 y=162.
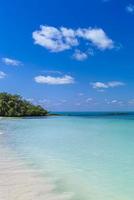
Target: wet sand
x=18 y=182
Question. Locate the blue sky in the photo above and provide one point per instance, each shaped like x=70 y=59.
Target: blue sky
x=69 y=55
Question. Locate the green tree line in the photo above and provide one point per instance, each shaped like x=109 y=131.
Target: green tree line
x=16 y=106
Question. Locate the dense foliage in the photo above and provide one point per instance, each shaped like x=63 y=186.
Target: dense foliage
x=16 y=106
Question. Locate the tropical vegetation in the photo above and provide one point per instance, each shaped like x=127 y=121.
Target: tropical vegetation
x=16 y=106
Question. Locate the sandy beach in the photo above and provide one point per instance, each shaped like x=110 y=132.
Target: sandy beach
x=17 y=182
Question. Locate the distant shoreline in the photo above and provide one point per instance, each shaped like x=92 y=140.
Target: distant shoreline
x=38 y=116
x=73 y=113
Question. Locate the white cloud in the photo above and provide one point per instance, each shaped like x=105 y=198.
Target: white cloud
x=97 y=37
x=79 y=55
x=102 y=85
x=130 y=8
x=55 y=39
x=115 y=84
x=9 y=61
x=115 y=102
x=98 y=85
x=54 y=80
x=61 y=39
x=2 y=75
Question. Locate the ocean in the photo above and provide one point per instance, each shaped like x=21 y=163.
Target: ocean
x=89 y=156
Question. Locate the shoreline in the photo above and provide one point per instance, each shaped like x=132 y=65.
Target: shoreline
x=18 y=182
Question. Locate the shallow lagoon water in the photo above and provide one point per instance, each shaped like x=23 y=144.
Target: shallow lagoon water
x=90 y=157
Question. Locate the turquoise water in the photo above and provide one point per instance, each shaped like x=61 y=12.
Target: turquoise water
x=89 y=155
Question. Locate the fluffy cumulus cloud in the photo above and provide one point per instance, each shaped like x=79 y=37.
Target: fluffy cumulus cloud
x=55 y=39
x=130 y=8
x=66 y=79
x=60 y=39
x=111 y=84
x=9 y=61
x=97 y=37
x=2 y=75
x=99 y=85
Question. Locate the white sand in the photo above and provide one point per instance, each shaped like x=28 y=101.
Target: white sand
x=17 y=182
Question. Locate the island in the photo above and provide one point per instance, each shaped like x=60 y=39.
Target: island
x=16 y=106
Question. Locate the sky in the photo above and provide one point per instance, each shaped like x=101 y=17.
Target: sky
x=69 y=55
